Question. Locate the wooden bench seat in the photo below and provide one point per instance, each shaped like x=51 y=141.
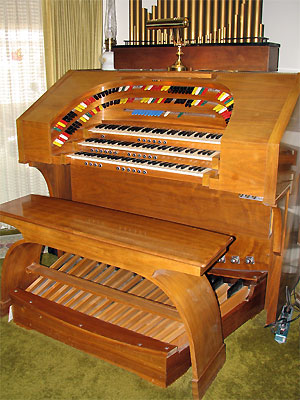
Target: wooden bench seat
x=115 y=237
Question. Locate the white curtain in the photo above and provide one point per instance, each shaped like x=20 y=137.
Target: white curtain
x=22 y=81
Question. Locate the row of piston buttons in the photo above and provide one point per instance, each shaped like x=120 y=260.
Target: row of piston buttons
x=237 y=260
x=152 y=141
x=93 y=164
x=142 y=155
x=146 y=140
x=122 y=169
x=104 y=151
x=127 y=169
x=129 y=154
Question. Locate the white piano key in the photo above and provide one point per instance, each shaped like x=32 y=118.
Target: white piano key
x=204 y=139
x=94 y=160
x=140 y=149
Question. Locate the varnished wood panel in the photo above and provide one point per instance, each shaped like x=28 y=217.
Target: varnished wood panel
x=160 y=241
x=242 y=168
x=181 y=202
x=19 y=255
x=132 y=351
x=205 y=57
x=58 y=179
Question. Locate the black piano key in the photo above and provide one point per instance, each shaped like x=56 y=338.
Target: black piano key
x=199 y=134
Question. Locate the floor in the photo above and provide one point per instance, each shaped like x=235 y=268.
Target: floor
x=6 y=241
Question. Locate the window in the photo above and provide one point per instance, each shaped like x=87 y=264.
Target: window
x=22 y=81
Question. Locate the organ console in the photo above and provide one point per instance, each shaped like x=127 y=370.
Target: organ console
x=170 y=199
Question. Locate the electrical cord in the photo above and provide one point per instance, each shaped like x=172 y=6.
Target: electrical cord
x=281 y=320
x=288 y=304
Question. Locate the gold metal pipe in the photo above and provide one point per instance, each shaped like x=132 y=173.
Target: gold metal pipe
x=230 y=20
x=159 y=16
x=171 y=13
x=158 y=37
x=215 y=19
x=222 y=15
x=201 y=20
x=167 y=15
x=193 y=15
x=138 y=20
x=236 y=21
x=154 y=16
x=148 y=32
x=165 y=10
x=207 y=21
x=132 y=6
x=257 y=19
x=242 y=23
x=143 y=25
x=186 y=14
x=159 y=7
x=261 y=30
x=224 y=34
x=178 y=8
x=235 y=28
x=237 y=7
x=249 y=21
x=228 y=35
x=211 y=20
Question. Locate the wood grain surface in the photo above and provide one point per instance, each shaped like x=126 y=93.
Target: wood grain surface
x=161 y=239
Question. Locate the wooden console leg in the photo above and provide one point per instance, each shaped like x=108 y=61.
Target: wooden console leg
x=198 y=307
x=19 y=256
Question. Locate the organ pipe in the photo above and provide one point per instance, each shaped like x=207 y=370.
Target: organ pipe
x=211 y=21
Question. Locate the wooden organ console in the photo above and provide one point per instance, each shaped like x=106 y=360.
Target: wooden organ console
x=169 y=207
